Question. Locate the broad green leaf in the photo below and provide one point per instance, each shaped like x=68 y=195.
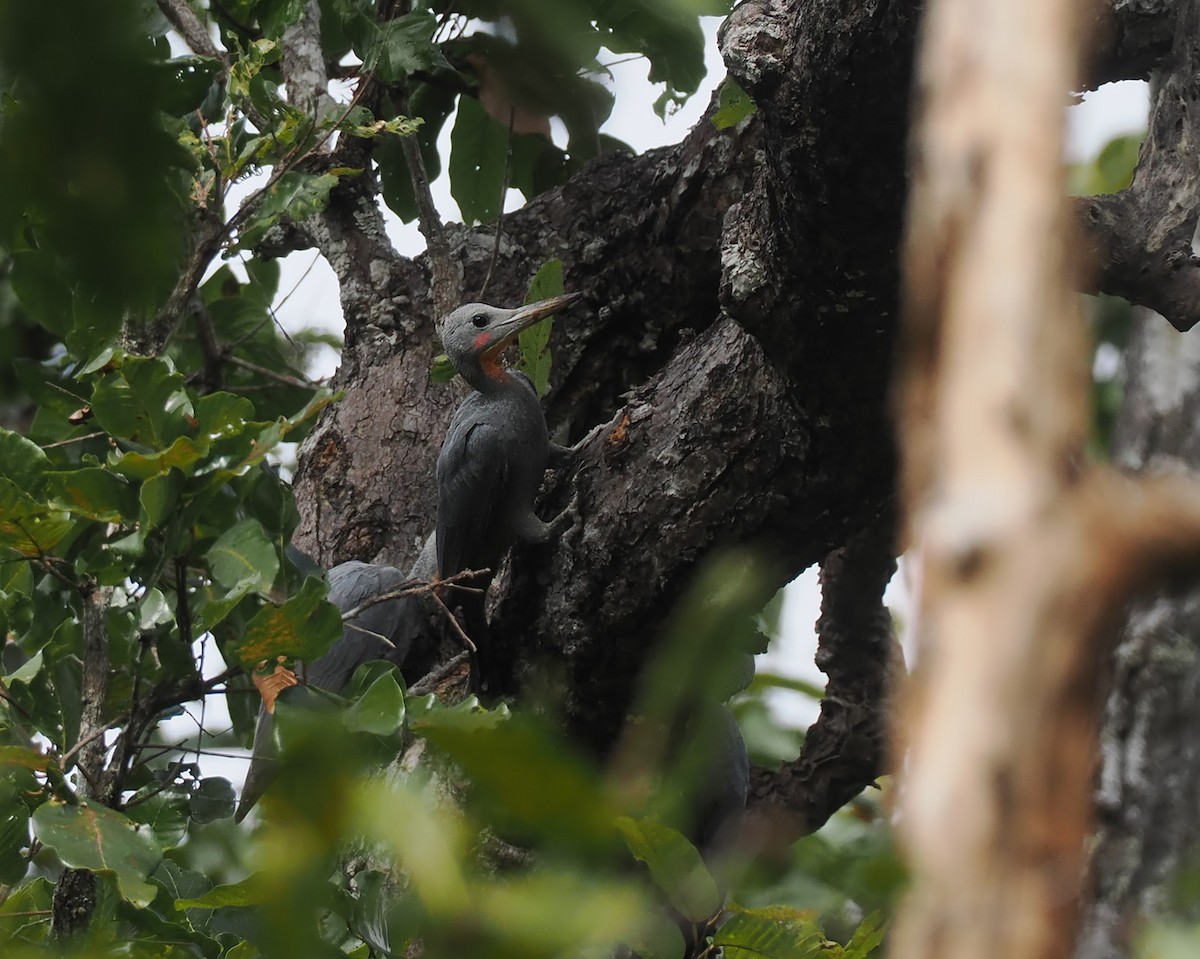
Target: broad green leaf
x=14 y=837
x=269 y=438
x=534 y=342
x=428 y=842
x=154 y=609
x=28 y=525
x=213 y=798
x=249 y=892
x=304 y=627
x=443 y=370
x=163 y=818
x=26 y=673
x=477 y=147
x=867 y=937
x=404 y=46
x=675 y=865
x=144 y=401
x=559 y=913
x=89 y=836
x=23 y=462
x=23 y=756
x=274 y=16
x=571 y=805
x=25 y=914
x=182 y=454
x=733 y=105
x=380 y=710
x=93 y=492
x=244 y=560
x=220 y=415
x=37 y=279
x=159 y=497
x=774 y=933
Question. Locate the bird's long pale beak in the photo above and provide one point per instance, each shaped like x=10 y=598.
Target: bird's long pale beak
x=525 y=316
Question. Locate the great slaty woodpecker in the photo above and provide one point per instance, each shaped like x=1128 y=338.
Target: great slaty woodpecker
x=382 y=631
x=492 y=461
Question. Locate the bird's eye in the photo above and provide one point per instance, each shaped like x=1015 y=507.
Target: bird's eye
x=480 y=320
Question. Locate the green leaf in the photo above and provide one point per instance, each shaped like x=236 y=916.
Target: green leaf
x=477 y=147
x=159 y=497
x=244 y=560
x=163 y=818
x=144 y=401
x=23 y=462
x=867 y=937
x=249 y=892
x=295 y=194
x=774 y=933
x=443 y=370
x=38 y=282
x=534 y=342
x=89 y=836
x=733 y=105
x=675 y=865
x=404 y=46
x=212 y=799
x=274 y=16
x=183 y=454
x=25 y=914
x=380 y=710
x=571 y=805
x=28 y=525
x=304 y=627
x=14 y=837
x=93 y=492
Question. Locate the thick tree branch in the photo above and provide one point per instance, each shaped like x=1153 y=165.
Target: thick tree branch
x=1133 y=38
x=304 y=65
x=844 y=751
x=654 y=498
x=1142 y=237
x=193 y=30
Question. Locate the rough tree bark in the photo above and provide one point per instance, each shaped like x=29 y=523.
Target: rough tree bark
x=742 y=284
x=728 y=279
x=1150 y=764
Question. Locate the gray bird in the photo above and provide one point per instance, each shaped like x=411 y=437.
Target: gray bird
x=492 y=461
x=381 y=631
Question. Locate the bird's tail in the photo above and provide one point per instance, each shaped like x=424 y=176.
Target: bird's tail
x=474 y=622
x=262 y=764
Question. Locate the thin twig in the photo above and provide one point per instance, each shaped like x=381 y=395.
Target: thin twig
x=457 y=626
x=92 y=737
x=193 y=30
x=286 y=378
x=74 y=439
x=303 y=276
x=415 y=587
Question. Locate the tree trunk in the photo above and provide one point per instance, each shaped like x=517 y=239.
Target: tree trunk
x=1150 y=757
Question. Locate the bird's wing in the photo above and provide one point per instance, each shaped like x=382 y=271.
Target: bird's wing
x=472 y=474
x=350 y=585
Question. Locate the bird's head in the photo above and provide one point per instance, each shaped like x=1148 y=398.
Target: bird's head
x=476 y=334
